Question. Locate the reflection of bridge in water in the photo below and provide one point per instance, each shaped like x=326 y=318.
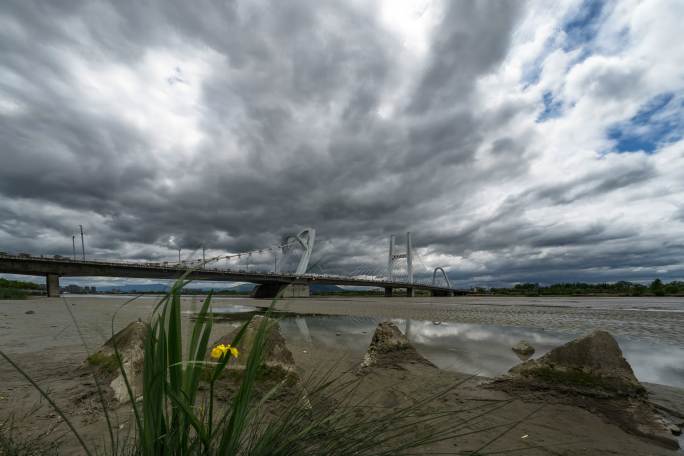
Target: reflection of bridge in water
x=269 y=284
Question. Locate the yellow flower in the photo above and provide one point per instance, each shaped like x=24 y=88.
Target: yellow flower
x=220 y=350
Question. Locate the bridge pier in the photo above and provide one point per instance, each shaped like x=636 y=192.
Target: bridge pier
x=441 y=293
x=281 y=290
x=52 y=285
x=296 y=290
x=410 y=292
x=388 y=292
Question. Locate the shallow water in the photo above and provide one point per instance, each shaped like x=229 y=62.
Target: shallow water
x=473 y=334
x=473 y=348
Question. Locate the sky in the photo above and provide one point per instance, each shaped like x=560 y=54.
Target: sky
x=517 y=141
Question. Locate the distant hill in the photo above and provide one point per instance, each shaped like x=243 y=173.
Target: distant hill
x=163 y=288
x=242 y=288
x=141 y=288
x=324 y=288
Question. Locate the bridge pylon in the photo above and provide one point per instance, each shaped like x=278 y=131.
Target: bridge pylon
x=305 y=239
x=393 y=256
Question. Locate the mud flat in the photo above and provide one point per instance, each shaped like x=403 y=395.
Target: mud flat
x=454 y=334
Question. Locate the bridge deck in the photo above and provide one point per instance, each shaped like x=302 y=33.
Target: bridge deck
x=63 y=267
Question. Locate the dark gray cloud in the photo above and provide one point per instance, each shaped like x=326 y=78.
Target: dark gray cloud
x=230 y=124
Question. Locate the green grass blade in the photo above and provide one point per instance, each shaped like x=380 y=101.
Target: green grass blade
x=231 y=435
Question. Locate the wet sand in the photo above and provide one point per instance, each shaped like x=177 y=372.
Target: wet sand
x=47 y=344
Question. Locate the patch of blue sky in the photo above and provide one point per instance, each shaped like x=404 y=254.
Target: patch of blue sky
x=531 y=73
x=658 y=122
x=579 y=30
x=552 y=107
x=582 y=27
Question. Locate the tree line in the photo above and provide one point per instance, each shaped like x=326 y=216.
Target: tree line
x=16 y=289
x=20 y=285
x=622 y=288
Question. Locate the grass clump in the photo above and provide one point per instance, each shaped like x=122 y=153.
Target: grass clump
x=107 y=362
x=13 y=293
x=575 y=377
x=13 y=445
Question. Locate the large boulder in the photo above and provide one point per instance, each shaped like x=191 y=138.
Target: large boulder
x=590 y=372
x=523 y=349
x=390 y=348
x=592 y=364
x=130 y=343
x=276 y=353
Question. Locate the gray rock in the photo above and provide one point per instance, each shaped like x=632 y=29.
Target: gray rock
x=391 y=348
x=669 y=402
x=523 y=348
x=30 y=312
x=590 y=372
x=670 y=426
x=276 y=353
x=130 y=343
x=593 y=363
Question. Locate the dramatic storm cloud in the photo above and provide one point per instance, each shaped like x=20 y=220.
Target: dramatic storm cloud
x=517 y=141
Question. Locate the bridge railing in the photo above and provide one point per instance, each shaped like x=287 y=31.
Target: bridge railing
x=182 y=267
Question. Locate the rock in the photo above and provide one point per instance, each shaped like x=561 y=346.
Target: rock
x=30 y=312
x=593 y=363
x=669 y=402
x=673 y=428
x=276 y=353
x=639 y=417
x=130 y=344
x=590 y=372
x=391 y=348
x=523 y=348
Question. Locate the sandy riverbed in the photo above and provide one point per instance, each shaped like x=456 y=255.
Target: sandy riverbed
x=46 y=343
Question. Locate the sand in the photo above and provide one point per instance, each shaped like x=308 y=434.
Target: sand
x=48 y=346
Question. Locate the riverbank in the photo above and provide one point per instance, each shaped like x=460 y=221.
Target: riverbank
x=46 y=343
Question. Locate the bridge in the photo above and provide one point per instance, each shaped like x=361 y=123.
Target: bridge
x=269 y=284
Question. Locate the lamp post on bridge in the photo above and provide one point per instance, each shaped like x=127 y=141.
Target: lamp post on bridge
x=82 y=242
x=73 y=246
x=409 y=257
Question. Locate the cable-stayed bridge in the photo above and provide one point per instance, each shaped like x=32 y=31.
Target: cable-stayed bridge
x=270 y=284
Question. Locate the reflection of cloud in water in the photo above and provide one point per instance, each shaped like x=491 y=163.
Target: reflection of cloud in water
x=485 y=350
x=355 y=332
x=655 y=363
x=425 y=332
x=303 y=328
x=233 y=308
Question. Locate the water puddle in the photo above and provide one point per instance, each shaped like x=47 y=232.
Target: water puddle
x=469 y=348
